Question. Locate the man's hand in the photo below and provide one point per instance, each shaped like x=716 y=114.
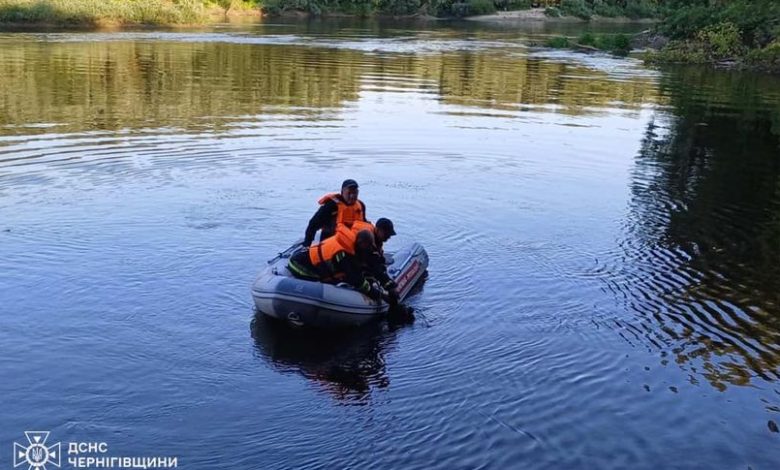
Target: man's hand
x=375 y=293
x=392 y=297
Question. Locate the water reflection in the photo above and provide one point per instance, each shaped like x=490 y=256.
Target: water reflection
x=704 y=228
x=496 y=82
x=118 y=85
x=349 y=365
x=87 y=85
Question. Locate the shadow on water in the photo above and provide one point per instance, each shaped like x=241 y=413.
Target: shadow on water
x=348 y=365
x=704 y=229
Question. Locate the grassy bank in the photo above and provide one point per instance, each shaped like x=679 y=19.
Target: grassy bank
x=734 y=33
x=744 y=33
x=588 y=9
x=160 y=12
x=439 y=8
x=115 y=12
x=584 y=9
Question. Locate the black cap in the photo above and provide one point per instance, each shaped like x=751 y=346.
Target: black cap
x=349 y=184
x=386 y=225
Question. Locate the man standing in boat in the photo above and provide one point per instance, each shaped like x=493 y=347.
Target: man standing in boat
x=336 y=208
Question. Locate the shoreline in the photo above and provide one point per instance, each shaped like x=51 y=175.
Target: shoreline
x=216 y=15
x=652 y=51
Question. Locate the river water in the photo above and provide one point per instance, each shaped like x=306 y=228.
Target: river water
x=604 y=237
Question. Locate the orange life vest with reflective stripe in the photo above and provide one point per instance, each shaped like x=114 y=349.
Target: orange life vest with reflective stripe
x=346 y=215
x=325 y=254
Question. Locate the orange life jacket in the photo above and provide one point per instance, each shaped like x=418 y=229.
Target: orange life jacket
x=346 y=215
x=359 y=225
x=328 y=252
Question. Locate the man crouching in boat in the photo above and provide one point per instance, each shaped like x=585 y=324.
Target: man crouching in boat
x=339 y=258
x=376 y=264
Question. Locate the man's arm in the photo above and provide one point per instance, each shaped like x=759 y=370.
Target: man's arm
x=319 y=219
x=378 y=268
x=350 y=266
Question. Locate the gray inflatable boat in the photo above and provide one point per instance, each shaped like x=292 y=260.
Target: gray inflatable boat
x=306 y=303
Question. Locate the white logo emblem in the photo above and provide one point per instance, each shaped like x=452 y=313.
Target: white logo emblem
x=36 y=454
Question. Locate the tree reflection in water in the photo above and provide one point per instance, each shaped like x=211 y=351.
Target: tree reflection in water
x=703 y=232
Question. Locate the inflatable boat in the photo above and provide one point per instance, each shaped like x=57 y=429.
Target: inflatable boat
x=278 y=294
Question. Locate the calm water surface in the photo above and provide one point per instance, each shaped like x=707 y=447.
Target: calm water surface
x=604 y=285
